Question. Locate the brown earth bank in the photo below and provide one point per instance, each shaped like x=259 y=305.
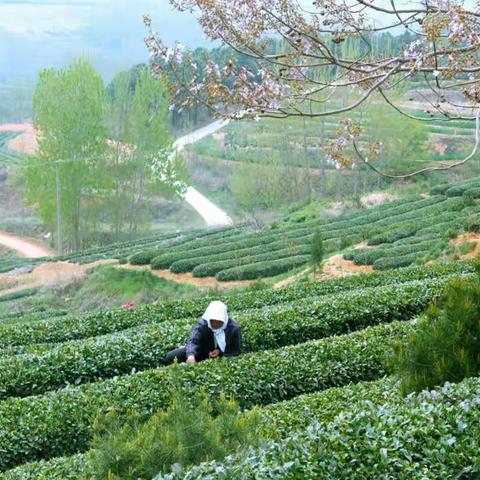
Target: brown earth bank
x=470 y=237
x=337 y=266
x=334 y=267
x=49 y=274
x=26 y=142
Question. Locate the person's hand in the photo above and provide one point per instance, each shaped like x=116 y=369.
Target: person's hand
x=191 y=360
x=214 y=354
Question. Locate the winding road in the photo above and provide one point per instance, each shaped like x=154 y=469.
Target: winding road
x=212 y=214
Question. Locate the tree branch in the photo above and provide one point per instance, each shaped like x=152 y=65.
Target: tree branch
x=426 y=169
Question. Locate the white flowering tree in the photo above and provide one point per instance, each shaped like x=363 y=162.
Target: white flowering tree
x=311 y=68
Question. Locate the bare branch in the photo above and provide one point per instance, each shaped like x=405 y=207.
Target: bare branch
x=426 y=169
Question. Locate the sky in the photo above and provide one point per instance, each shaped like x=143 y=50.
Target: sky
x=36 y=34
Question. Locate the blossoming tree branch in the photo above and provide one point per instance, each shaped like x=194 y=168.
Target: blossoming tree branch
x=311 y=68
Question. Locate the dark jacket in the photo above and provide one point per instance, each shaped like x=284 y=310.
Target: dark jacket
x=202 y=342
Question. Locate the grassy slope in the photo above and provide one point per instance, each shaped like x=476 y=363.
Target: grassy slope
x=108 y=287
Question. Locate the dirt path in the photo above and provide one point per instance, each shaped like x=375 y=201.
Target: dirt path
x=25 y=247
x=49 y=274
x=27 y=142
x=189 y=278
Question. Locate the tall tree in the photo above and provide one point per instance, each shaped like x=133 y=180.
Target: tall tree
x=69 y=107
x=142 y=162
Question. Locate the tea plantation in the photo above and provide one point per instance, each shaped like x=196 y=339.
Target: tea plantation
x=410 y=230
x=151 y=245
x=315 y=364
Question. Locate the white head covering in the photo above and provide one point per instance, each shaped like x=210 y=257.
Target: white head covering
x=217 y=311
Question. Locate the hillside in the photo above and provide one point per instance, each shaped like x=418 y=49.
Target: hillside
x=244 y=245
x=313 y=336
x=326 y=342
x=415 y=229
x=255 y=166
x=397 y=233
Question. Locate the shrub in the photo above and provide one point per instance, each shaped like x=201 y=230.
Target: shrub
x=75 y=467
x=472 y=223
x=368 y=256
x=146 y=346
x=389 y=419
x=430 y=436
x=186 y=433
x=262 y=269
x=338 y=233
x=72 y=327
x=144 y=258
x=446 y=344
x=274 y=422
x=209 y=269
x=158 y=263
x=440 y=189
x=385 y=263
x=472 y=193
x=60 y=423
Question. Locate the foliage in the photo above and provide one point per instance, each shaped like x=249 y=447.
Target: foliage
x=59 y=423
x=446 y=344
x=267 y=185
x=20 y=294
x=144 y=347
x=373 y=399
x=405 y=140
x=139 y=124
x=433 y=435
x=267 y=268
x=272 y=251
x=75 y=467
x=144 y=258
x=104 y=184
x=71 y=327
x=192 y=429
x=252 y=261
x=317 y=250
x=69 y=107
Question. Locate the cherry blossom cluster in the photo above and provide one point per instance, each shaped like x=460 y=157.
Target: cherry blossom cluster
x=282 y=81
x=308 y=66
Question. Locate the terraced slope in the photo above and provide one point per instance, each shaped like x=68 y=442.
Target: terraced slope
x=291 y=335
x=406 y=231
x=410 y=230
x=420 y=239
x=155 y=244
